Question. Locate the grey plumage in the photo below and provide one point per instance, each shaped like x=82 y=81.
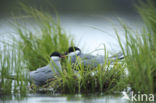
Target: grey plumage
x=94 y=61
x=90 y=60
x=41 y=75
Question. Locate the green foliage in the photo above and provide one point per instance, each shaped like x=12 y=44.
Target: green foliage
x=5 y=85
x=31 y=50
x=10 y=62
x=148 y=14
x=37 y=47
x=28 y=50
x=77 y=78
x=140 y=51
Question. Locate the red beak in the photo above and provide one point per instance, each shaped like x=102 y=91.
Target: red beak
x=63 y=56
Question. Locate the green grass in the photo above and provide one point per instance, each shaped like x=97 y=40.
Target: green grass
x=140 y=51
x=76 y=78
x=11 y=63
x=36 y=48
x=32 y=49
x=28 y=51
x=5 y=85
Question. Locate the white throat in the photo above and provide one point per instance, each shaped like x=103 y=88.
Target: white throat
x=75 y=53
x=55 y=58
x=55 y=64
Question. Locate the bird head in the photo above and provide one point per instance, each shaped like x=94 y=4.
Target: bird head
x=73 y=51
x=56 y=56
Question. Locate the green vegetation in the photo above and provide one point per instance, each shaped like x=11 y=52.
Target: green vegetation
x=11 y=63
x=32 y=49
x=36 y=48
x=28 y=51
x=140 y=51
x=76 y=78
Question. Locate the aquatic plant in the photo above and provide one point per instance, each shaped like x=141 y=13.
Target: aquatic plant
x=26 y=50
x=140 y=51
x=77 y=78
x=31 y=49
x=10 y=63
x=37 y=46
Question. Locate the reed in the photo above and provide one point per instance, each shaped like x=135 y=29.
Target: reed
x=27 y=50
x=140 y=51
x=77 y=78
x=10 y=63
x=31 y=50
x=37 y=46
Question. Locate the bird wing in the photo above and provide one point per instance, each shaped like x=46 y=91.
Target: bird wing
x=41 y=75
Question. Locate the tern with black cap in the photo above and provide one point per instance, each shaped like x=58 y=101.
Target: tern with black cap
x=87 y=59
x=41 y=75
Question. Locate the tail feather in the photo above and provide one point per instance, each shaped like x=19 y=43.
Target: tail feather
x=118 y=56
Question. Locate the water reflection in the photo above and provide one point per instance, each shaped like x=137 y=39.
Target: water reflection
x=45 y=98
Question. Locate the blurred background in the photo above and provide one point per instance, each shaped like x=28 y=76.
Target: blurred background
x=73 y=6
x=90 y=22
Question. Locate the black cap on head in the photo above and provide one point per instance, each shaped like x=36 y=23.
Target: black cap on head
x=72 y=49
x=55 y=54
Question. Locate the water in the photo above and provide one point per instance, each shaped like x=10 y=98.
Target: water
x=90 y=32
x=42 y=98
x=94 y=31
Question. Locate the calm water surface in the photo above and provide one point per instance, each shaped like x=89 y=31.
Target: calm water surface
x=90 y=32
x=42 y=98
